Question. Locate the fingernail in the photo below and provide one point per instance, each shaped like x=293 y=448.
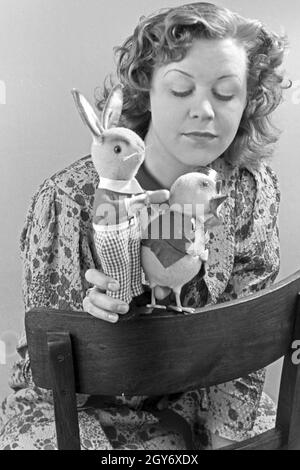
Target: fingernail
x=113 y=286
x=113 y=318
x=122 y=308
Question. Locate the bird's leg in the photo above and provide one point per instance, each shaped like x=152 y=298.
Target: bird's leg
x=179 y=307
x=153 y=301
x=188 y=310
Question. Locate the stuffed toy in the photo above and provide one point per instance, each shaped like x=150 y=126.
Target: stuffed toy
x=174 y=242
x=117 y=154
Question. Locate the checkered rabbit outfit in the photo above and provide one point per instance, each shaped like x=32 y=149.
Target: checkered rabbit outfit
x=117 y=237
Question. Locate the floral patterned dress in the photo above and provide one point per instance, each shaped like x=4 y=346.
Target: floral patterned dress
x=57 y=248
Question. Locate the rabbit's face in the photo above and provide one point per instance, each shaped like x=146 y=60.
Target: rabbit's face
x=118 y=154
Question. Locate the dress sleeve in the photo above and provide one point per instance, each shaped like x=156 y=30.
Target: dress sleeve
x=55 y=252
x=51 y=245
x=257 y=250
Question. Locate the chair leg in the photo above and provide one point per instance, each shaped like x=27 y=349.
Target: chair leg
x=288 y=414
x=64 y=395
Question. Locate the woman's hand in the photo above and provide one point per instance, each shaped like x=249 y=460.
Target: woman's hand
x=138 y=202
x=98 y=303
x=101 y=305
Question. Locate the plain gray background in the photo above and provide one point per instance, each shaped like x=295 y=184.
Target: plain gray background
x=47 y=48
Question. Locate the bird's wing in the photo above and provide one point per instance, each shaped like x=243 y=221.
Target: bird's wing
x=166 y=253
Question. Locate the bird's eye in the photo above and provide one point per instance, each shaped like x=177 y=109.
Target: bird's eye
x=205 y=184
x=117 y=149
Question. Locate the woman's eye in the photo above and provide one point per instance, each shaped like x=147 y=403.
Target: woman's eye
x=181 y=93
x=189 y=92
x=117 y=149
x=223 y=97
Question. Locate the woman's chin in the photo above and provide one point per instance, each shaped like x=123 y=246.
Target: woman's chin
x=199 y=159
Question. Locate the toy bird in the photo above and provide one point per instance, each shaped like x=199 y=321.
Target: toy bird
x=173 y=244
x=117 y=154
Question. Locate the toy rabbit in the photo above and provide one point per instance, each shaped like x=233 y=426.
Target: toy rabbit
x=173 y=246
x=117 y=154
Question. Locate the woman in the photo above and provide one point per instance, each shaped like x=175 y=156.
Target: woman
x=200 y=83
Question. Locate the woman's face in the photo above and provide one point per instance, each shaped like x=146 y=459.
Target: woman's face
x=197 y=103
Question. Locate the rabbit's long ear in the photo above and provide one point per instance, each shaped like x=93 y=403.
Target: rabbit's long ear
x=113 y=107
x=87 y=113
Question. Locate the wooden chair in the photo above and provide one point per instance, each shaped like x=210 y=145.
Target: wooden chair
x=165 y=353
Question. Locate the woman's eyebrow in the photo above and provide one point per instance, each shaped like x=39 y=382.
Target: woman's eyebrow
x=178 y=70
x=230 y=75
x=191 y=76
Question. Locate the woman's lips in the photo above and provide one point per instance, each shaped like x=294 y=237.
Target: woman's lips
x=200 y=136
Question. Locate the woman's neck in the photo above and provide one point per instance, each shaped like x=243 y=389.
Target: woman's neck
x=163 y=166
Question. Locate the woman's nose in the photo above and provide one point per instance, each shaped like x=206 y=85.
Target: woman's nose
x=201 y=108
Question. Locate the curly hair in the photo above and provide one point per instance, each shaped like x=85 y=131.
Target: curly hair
x=166 y=36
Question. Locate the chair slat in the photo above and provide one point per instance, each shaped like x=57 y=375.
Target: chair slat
x=63 y=385
x=168 y=353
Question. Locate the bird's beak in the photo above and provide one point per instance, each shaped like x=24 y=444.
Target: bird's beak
x=214 y=203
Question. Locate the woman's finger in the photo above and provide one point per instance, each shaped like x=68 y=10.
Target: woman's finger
x=104 y=302
x=98 y=312
x=100 y=280
x=159 y=196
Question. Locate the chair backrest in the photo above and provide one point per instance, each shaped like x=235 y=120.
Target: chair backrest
x=165 y=353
